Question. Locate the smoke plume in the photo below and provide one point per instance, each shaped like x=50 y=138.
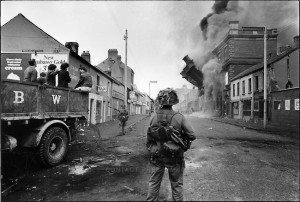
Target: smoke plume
x=198 y=36
x=218 y=8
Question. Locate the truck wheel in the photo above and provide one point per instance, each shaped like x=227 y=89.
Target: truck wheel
x=53 y=147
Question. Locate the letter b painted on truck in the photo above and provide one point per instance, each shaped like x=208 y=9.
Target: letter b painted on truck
x=56 y=99
x=19 y=97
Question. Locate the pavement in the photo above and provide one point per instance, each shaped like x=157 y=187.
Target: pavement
x=249 y=125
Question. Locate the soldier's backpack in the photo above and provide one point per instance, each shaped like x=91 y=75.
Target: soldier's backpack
x=166 y=138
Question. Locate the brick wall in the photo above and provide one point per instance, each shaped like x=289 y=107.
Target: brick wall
x=281 y=117
x=234 y=70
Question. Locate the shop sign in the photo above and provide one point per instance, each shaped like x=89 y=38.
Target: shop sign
x=13 y=65
x=287 y=104
x=297 y=104
x=102 y=88
x=131 y=94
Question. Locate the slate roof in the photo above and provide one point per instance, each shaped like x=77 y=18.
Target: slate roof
x=260 y=65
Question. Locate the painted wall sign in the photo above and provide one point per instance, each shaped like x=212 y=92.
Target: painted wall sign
x=44 y=60
x=131 y=94
x=287 y=105
x=102 y=88
x=13 y=65
x=297 y=104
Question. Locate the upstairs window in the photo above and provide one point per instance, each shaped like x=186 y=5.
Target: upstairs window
x=243 y=87
x=249 y=86
x=233 y=90
x=238 y=89
x=256 y=83
x=98 y=83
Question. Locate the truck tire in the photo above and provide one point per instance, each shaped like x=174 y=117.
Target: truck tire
x=53 y=146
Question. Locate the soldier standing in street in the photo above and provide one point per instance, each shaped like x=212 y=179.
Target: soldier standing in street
x=164 y=153
x=123 y=117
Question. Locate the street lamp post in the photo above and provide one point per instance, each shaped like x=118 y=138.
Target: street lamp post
x=125 y=70
x=149 y=86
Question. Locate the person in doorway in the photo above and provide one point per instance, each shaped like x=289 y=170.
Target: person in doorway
x=163 y=152
x=30 y=73
x=123 y=117
x=42 y=79
x=64 y=76
x=85 y=83
x=51 y=74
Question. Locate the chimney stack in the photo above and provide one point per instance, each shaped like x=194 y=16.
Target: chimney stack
x=72 y=46
x=86 y=55
x=187 y=59
x=296 y=41
x=112 y=53
x=233 y=27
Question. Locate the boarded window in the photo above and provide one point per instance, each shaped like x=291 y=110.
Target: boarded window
x=235 y=108
x=277 y=105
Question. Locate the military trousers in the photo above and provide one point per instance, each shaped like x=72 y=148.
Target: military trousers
x=175 y=176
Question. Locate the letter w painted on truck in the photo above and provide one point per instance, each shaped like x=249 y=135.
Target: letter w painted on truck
x=56 y=99
x=19 y=98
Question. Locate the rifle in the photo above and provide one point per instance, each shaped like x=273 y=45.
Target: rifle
x=176 y=136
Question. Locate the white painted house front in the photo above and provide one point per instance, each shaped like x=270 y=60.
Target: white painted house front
x=242 y=97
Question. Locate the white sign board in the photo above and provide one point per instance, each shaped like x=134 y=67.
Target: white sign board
x=297 y=104
x=43 y=60
x=102 y=88
x=287 y=104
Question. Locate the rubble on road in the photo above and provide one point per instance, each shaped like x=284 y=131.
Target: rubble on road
x=128 y=188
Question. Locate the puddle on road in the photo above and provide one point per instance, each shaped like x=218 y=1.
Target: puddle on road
x=84 y=168
x=79 y=170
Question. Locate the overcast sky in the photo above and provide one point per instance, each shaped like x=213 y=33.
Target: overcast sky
x=153 y=27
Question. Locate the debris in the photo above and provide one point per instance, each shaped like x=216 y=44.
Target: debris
x=81 y=129
x=92 y=161
x=128 y=188
x=210 y=128
x=81 y=134
x=78 y=160
x=86 y=166
x=4 y=192
x=112 y=146
x=77 y=142
x=125 y=154
x=67 y=185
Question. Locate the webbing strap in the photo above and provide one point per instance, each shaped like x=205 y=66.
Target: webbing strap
x=164 y=117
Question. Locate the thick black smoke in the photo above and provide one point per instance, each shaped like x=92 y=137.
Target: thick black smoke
x=218 y=8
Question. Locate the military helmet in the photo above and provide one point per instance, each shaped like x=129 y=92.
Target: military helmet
x=167 y=96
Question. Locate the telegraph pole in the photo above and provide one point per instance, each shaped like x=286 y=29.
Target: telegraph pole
x=125 y=70
x=265 y=77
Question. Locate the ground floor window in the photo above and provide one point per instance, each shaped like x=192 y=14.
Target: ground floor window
x=247 y=107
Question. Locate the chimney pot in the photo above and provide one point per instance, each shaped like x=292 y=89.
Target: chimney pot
x=72 y=46
x=187 y=59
